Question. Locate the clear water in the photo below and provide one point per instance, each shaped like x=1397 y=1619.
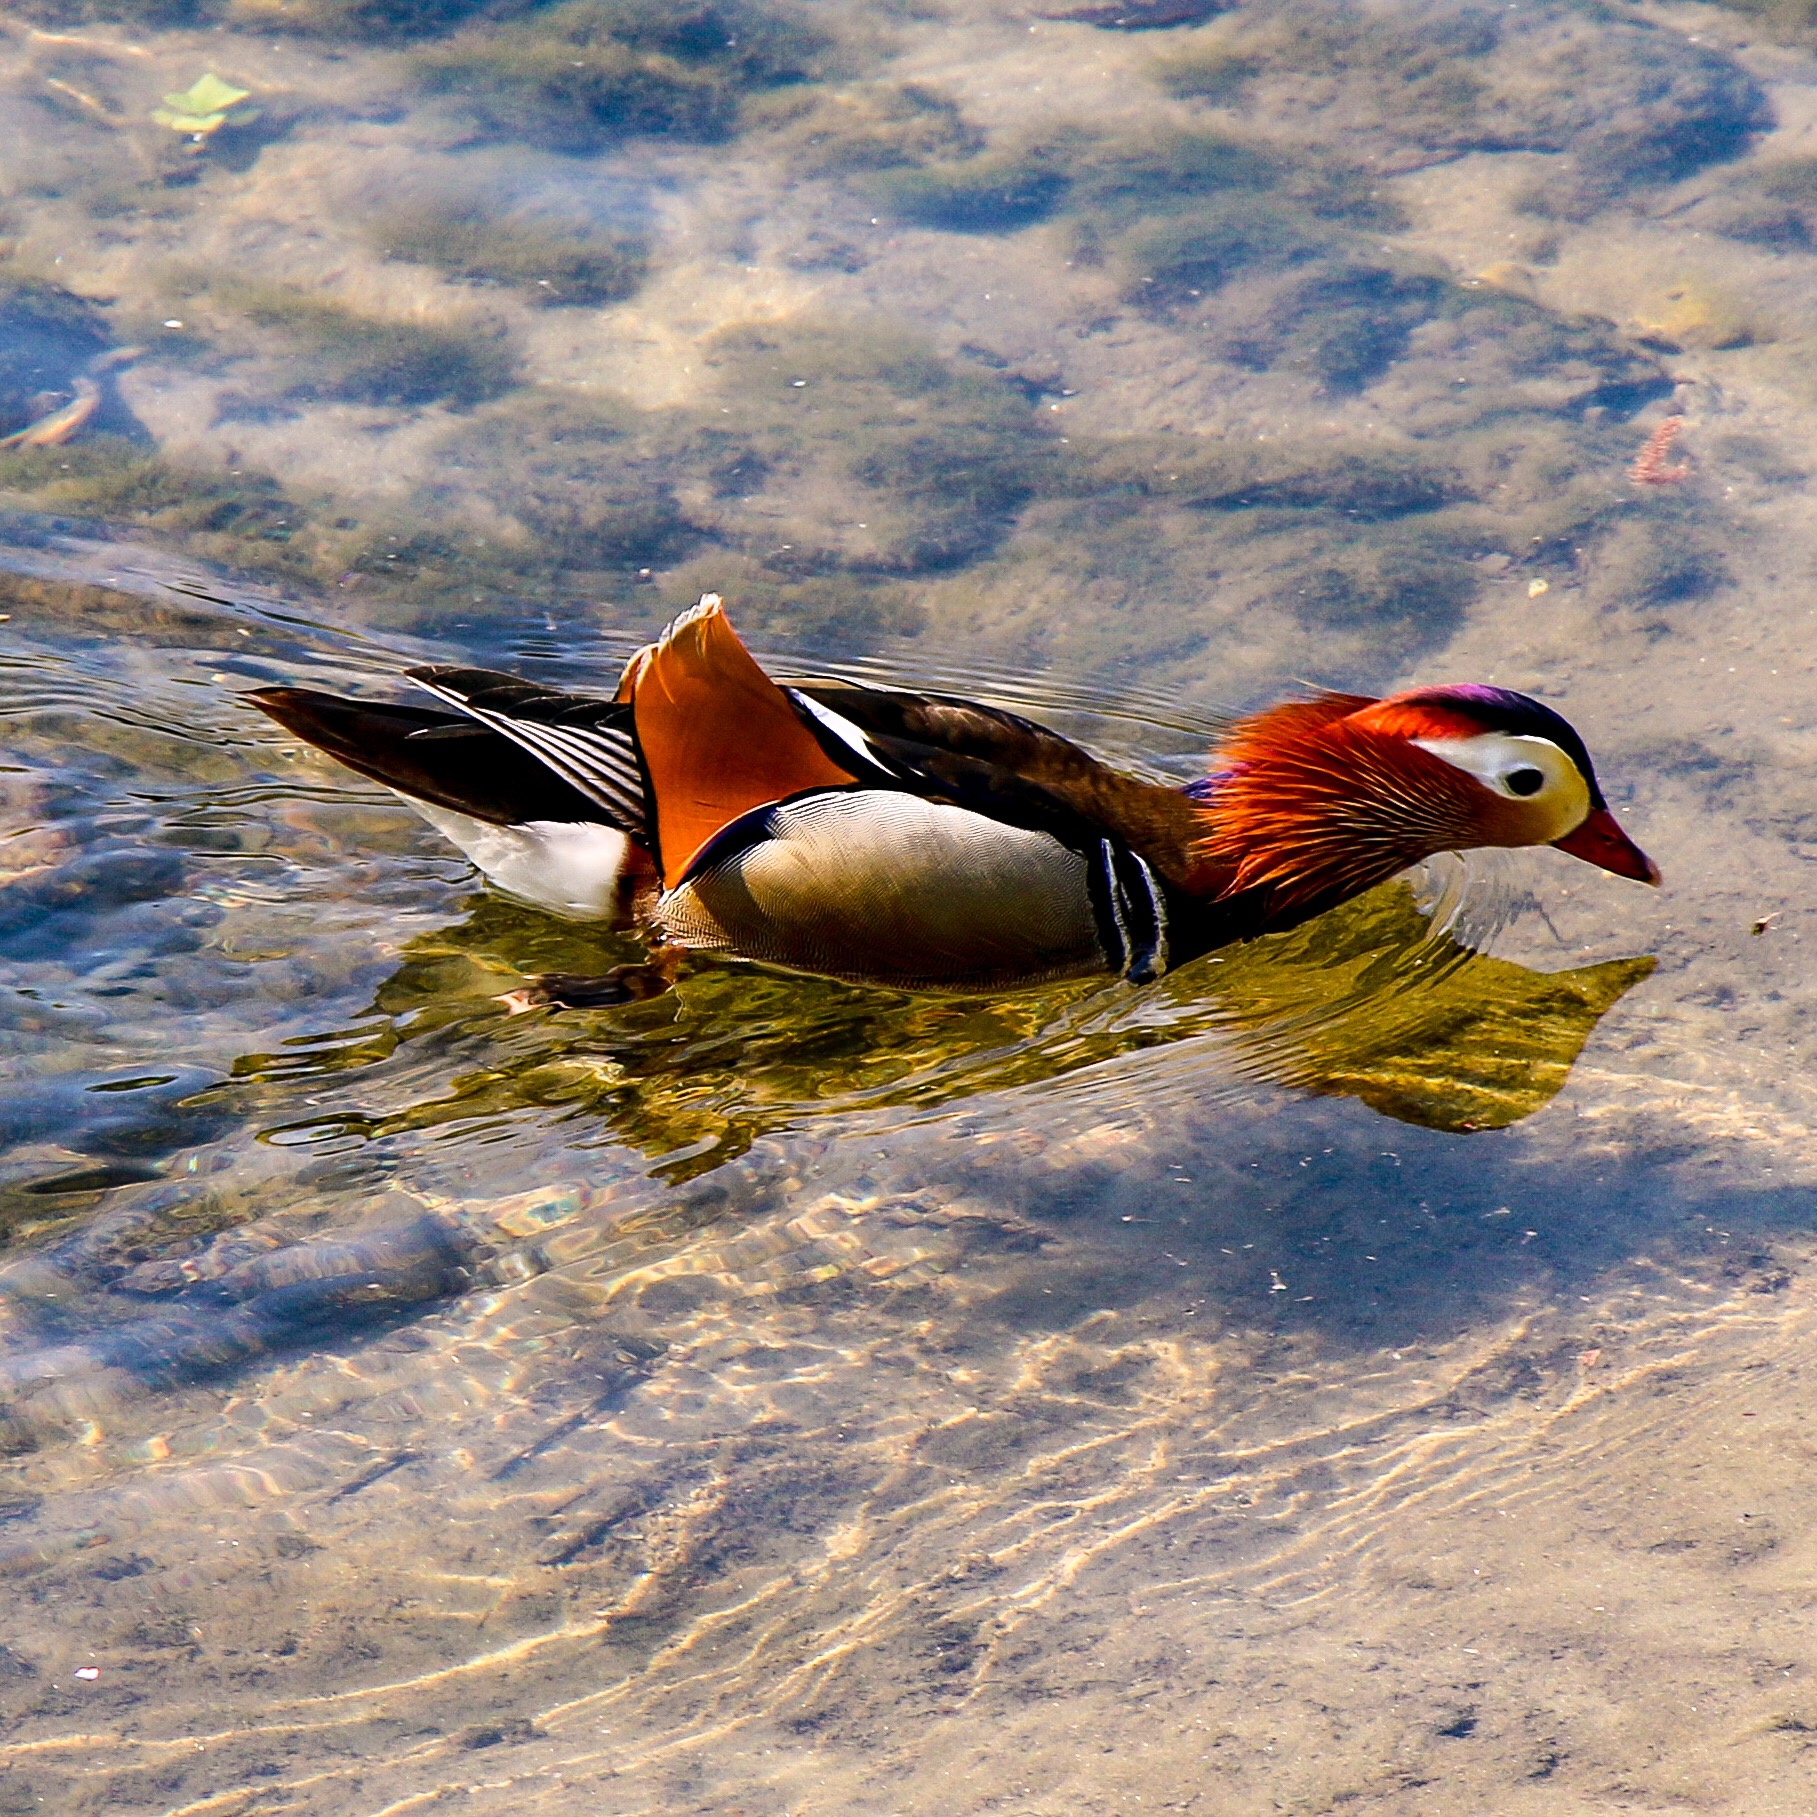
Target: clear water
x=1363 y=1372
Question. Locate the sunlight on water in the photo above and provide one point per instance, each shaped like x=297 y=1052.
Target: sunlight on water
x=1361 y=1370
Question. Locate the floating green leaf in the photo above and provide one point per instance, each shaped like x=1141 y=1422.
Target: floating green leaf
x=208 y=104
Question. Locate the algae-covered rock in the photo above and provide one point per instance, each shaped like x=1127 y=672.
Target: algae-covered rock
x=1361 y=482
x=993 y=192
x=1692 y=313
x=1772 y=202
x=375 y=21
x=882 y=126
x=846 y=608
x=546 y=265
x=1166 y=171
x=1114 y=182
x=244 y=518
x=1353 y=541
x=585 y=482
x=1631 y=102
x=1208 y=71
x=1345 y=325
x=1504 y=357
x=1173 y=261
x=1380 y=583
x=1635 y=565
x=1794 y=21
x=1142 y=15
x=878 y=452
x=585 y=73
x=355 y=358
x=145 y=13
x=825 y=463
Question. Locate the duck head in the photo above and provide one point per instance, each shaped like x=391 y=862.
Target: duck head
x=1316 y=800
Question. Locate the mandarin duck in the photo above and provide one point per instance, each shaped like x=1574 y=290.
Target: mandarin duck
x=925 y=842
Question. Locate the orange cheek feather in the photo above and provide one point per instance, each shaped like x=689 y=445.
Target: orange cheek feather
x=1321 y=799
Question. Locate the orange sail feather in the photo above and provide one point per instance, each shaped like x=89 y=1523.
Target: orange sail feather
x=718 y=736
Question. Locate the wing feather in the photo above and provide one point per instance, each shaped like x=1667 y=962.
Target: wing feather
x=590 y=744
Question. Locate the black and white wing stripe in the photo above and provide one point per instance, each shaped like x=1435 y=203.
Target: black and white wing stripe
x=1131 y=912
x=843 y=741
x=589 y=743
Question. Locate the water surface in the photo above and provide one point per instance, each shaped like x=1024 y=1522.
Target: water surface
x=1361 y=1373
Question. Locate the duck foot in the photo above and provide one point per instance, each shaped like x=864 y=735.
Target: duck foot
x=579 y=990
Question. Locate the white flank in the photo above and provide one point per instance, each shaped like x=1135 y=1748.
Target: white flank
x=561 y=865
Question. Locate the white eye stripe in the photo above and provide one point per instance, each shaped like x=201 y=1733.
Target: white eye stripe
x=1492 y=757
x=1500 y=760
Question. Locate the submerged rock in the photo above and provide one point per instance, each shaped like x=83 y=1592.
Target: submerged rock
x=1627 y=102
x=585 y=74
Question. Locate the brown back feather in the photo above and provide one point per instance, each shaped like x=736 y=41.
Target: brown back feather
x=1152 y=818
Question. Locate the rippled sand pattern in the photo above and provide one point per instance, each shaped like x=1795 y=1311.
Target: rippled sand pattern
x=1365 y=1374
x=873 y=1490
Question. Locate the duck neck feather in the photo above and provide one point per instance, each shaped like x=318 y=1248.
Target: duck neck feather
x=1307 y=808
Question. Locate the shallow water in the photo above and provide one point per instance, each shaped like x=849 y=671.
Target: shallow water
x=1362 y=1372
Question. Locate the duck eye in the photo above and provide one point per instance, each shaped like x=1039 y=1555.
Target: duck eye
x=1525 y=781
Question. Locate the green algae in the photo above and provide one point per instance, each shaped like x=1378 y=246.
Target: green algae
x=244 y=518
x=1110 y=181
x=1431 y=65
x=1177 y=215
x=852 y=609
x=1391 y=580
x=881 y=126
x=932 y=457
x=992 y=192
x=1344 y=536
x=545 y=265
x=1631 y=103
x=1347 y=325
x=583 y=74
x=1214 y=72
x=1359 y=481
x=584 y=482
x=370 y=21
x=1174 y=260
x=169 y=14
x=1789 y=179
x=827 y=463
x=355 y=358
x=1165 y=171
x=1767 y=203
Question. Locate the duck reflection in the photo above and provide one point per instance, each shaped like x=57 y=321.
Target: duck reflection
x=1374 y=1001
